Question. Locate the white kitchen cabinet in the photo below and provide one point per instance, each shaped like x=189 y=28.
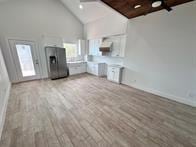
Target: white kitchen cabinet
x=94 y=45
x=123 y=42
x=95 y=68
x=115 y=45
x=82 y=45
x=118 y=45
x=91 y=47
x=114 y=73
x=77 y=68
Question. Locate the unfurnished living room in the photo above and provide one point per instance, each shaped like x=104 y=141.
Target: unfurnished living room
x=97 y=73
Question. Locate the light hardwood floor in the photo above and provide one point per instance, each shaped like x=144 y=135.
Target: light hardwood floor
x=87 y=111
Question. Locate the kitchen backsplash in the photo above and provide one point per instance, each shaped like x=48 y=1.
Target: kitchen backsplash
x=108 y=60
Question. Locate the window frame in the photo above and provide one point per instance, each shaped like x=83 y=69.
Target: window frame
x=78 y=57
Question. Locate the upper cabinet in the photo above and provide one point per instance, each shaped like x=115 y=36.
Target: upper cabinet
x=123 y=42
x=118 y=46
x=82 y=46
x=94 y=45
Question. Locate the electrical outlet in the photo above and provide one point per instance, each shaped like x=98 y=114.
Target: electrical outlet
x=192 y=94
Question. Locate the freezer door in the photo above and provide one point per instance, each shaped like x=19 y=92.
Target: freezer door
x=62 y=65
x=51 y=54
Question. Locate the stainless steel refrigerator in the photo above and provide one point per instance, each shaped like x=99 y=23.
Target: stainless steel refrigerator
x=57 y=65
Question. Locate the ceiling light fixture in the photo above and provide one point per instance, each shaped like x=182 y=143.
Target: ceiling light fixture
x=137 y=6
x=81 y=6
x=156 y=3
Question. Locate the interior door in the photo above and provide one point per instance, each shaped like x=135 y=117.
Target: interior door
x=25 y=59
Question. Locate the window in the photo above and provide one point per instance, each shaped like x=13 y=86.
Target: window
x=72 y=52
x=25 y=60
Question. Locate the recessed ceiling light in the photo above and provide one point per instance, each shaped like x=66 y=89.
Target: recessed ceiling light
x=81 y=6
x=137 y=6
x=156 y=3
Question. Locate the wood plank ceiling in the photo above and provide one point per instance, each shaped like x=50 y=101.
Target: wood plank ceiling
x=126 y=7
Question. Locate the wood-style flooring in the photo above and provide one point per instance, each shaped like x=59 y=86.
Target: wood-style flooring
x=87 y=111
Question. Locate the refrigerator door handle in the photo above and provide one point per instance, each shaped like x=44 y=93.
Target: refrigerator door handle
x=37 y=61
x=57 y=60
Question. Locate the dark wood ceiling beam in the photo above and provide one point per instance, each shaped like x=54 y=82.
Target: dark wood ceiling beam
x=126 y=7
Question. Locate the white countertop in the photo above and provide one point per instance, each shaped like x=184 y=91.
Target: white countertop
x=95 y=62
x=115 y=65
x=75 y=62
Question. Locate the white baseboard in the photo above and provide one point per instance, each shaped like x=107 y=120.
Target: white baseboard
x=3 y=113
x=166 y=95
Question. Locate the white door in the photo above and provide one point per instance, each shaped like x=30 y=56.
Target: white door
x=123 y=45
x=116 y=75
x=115 y=46
x=25 y=59
x=94 y=45
x=97 y=43
x=110 y=74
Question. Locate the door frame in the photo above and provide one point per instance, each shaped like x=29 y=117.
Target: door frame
x=35 y=56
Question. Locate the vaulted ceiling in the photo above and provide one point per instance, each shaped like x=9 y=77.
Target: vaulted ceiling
x=126 y=7
x=96 y=9
x=91 y=10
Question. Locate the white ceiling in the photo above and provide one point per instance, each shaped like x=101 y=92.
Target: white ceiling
x=91 y=10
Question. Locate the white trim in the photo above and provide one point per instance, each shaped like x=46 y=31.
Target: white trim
x=3 y=113
x=35 y=56
x=166 y=95
x=8 y=54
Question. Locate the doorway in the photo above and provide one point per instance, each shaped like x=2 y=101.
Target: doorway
x=26 y=60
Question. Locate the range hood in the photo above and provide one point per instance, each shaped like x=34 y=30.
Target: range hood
x=106 y=46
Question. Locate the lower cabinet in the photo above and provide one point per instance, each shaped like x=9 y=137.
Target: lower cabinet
x=95 y=68
x=98 y=69
x=77 y=68
x=114 y=73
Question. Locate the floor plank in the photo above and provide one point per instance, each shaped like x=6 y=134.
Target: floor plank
x=88 y=111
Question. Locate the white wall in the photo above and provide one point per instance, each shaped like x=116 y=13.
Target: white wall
x=112 y=24
x=161 y=53
x=34 y=20
x=4 y=91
